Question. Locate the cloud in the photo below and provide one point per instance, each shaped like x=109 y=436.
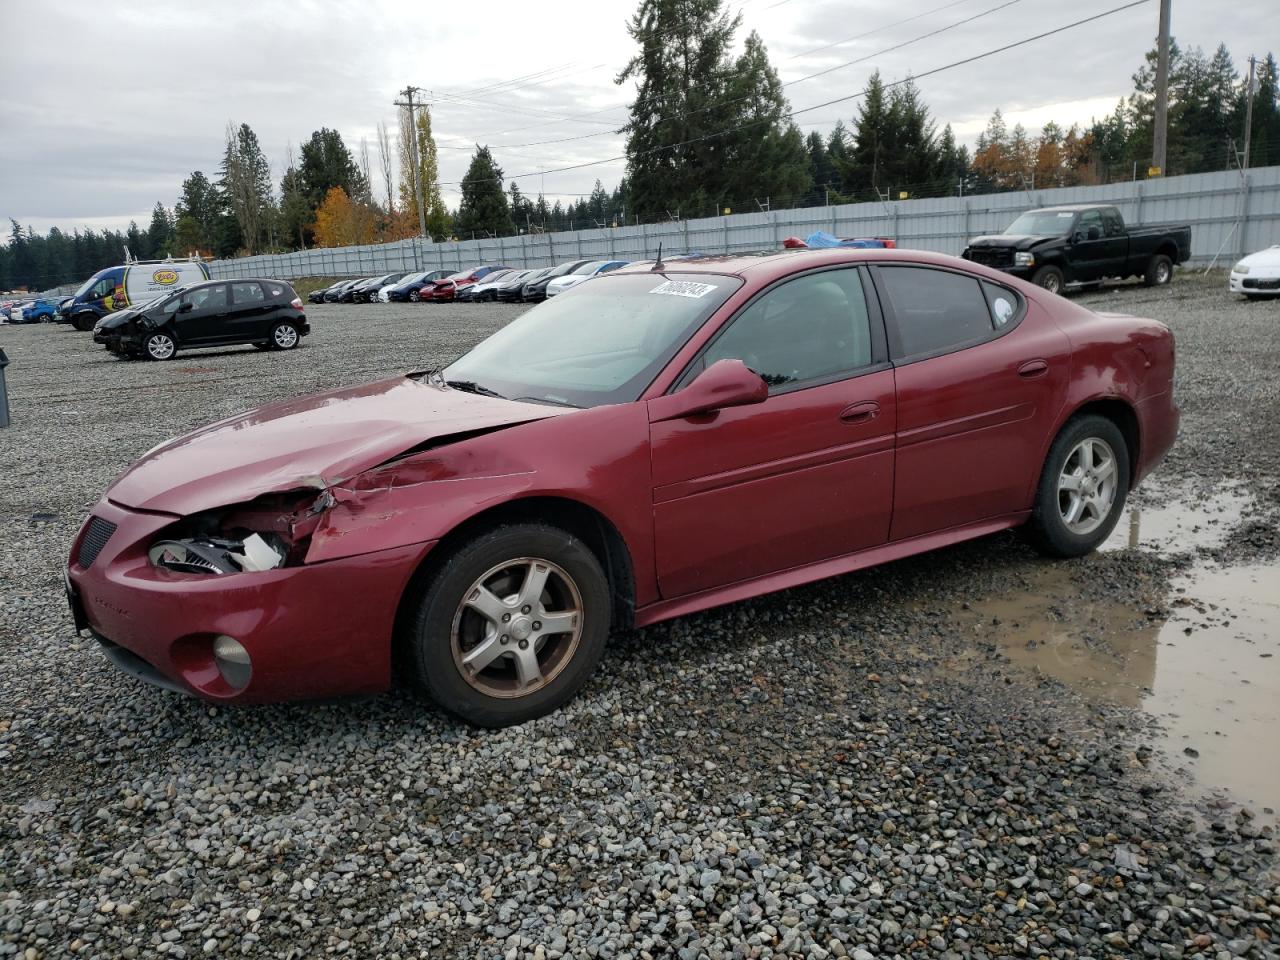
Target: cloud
x=103 y=115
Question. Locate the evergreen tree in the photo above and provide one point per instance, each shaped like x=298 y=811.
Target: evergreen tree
x=327 y=163
x=198 y=212
x=160 y=233
x=484 y=210
x=860 y=169
x=764 y=155
x=296 y=214
x=910 y=159
x=674 y=157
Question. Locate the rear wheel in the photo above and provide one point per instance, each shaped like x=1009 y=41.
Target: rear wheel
x=284 y=336
x=1050 y=278
x=512 y=626
x=1159 y=271
x=159 y=346
x=1082 y=488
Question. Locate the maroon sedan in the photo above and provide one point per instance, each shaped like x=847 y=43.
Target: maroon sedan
x=661 y=440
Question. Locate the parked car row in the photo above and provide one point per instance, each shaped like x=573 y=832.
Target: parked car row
x=29 y=310
x=488 y=282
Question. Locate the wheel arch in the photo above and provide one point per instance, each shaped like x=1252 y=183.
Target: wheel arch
x=583 y=521
x=1120 y=412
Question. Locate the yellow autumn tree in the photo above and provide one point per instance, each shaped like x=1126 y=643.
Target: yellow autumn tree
x=342 y=222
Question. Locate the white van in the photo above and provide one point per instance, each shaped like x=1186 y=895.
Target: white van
x=115 y=288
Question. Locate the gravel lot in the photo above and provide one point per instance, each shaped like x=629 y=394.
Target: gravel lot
x=847 y=769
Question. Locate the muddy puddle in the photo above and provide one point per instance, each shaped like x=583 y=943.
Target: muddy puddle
x=1169 y=520
x=1203 y=659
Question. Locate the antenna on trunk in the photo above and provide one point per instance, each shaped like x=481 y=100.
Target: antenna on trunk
x=658 y=265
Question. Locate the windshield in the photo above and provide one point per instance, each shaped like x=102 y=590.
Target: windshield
x=590 y=266
x=1042 y=223
x=602 y=343
x=84 y=287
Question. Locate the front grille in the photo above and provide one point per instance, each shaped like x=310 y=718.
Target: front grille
x=1253 y=283
x=991 y=256
x=95 y=538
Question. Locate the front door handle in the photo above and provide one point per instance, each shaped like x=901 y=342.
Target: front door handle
x=860 y=412
x=1033 y=368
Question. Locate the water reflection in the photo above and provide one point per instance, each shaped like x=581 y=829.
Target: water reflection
x=1205 y=661
x=1183 y=522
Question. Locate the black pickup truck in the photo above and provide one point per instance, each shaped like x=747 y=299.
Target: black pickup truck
x=1082 y=243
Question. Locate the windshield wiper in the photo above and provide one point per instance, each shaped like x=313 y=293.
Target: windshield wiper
x=551 y=400
x=470 y=386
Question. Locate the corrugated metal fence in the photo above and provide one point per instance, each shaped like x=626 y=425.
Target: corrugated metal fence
x=1229 y=216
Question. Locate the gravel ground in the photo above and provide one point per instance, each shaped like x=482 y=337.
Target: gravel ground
x=839 y=770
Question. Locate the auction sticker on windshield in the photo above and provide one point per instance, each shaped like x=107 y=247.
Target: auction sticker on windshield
x=684 y=288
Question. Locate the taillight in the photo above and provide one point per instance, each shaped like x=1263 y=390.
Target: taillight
x=296 y=303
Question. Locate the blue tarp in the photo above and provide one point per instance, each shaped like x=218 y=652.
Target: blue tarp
x=823 y=241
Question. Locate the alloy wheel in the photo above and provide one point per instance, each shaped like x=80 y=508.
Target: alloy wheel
x=1087 y=486
x=517 y=627
x=160 y=346
x=285 y=336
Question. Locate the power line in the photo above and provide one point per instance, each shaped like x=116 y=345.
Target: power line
x=731 y=74
x=853 y=96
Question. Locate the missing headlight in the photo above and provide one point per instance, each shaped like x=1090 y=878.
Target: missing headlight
x=216 y=556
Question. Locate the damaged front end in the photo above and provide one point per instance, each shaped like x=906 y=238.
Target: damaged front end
x=269 y=532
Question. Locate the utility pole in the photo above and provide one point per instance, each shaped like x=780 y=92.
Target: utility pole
x=1248 y=116
x=408 y=93
x=1159 y=137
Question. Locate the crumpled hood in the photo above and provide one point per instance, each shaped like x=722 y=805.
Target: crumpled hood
x=314 y=441
x=118 y=318
x=1010 y=241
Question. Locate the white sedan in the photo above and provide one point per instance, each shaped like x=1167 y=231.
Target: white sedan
x=1257 y=275
x=584 y=272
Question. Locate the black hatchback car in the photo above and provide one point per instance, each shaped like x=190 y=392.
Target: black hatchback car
x=215 y=313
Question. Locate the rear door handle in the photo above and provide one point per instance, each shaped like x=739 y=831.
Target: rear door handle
x=860 y=412
x=1033 y=368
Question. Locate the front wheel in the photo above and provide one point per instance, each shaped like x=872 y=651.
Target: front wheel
x=1159 y=271
x=1082 y=488
x=414 y=296
x=160 y=346
x=284 y=336
x=512 y=626
x=84 y=321
x=1050 y=278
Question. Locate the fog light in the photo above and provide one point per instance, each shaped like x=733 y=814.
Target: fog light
x=233 y=661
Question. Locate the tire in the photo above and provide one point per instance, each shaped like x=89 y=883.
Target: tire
x=284 y=336
x=159 y=346
x=1159 y=271
x=445 y=628
x=1050 y=527
x=414 y=296
x=84 y=322
x=1050 y=278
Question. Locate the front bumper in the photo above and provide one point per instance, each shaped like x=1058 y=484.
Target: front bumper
x=317 y=630
x=1254 y=284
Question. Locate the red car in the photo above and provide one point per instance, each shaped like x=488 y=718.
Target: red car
x=447 y=289
x=664 y=439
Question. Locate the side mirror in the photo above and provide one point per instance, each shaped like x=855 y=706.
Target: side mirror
x=726 y=383
x=1095 y=233
x=187 y=307
x=1077 y=236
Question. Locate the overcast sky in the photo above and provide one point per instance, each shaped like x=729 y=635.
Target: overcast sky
x=106 y=107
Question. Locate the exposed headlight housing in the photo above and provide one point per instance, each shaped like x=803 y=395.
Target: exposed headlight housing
x=1024 y=259
x=1240 y=268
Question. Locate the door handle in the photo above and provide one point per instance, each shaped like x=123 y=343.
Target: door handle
x=1033 y=368
x=860 y=412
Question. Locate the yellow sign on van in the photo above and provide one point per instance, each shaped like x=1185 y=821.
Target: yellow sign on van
x=165 y=277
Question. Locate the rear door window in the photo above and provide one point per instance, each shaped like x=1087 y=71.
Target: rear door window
x=247 y=293
x=935 y=311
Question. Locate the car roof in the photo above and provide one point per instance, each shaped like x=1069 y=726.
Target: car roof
x=780 y=262
x=1075 y=207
